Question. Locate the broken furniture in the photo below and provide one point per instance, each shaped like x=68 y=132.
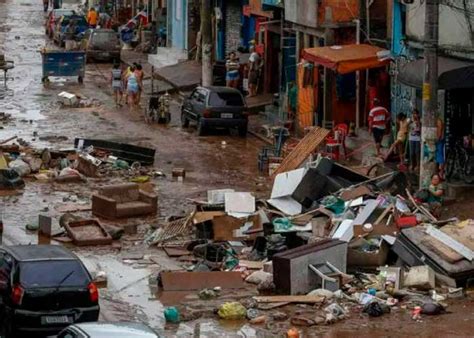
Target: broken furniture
x=198 y=280
x=416 y=247
x=87 y=232
x=311 y=266
x=123 y=200
x=127 y=152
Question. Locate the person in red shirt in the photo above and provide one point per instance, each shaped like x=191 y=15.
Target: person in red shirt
x=379 y=118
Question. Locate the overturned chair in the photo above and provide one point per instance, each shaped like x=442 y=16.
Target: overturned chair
x=123 y=200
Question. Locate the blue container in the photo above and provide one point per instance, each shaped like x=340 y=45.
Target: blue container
x=64 y=63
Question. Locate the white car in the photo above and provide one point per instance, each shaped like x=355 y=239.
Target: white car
x=108 y=330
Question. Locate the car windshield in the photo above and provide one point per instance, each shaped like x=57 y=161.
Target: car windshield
x=104 y=37
x=61 y=12
x=225 y=99
x=52 y=273
x=80 y=20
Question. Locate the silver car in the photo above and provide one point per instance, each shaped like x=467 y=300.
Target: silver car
x=108 y=330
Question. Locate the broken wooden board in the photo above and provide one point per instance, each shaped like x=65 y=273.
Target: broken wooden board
x=204 y=216
x=448 y=254
x=71 y=207
x=348 y=195
x=269 y=306
x=289 y=299
x=450 y=242
x=303 y=149
x=251 y=265
x=197 y=280
x=175 y=252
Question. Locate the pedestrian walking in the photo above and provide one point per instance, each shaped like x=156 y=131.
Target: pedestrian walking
x=92 y=18
x=139 y=75
x=232 y=71
x=45 y=5
x=117 y=87
x=379 y=118
x=440 y=147
x=57 y=4
x=414 y=139
x=132 y=88
x=399 y=144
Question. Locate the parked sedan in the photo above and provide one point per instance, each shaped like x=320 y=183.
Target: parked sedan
x=102 y=44
x=43 y=289
x=53 y=18
x=215 y=107
x=108 y=330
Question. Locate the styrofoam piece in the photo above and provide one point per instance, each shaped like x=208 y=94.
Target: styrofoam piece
x=217 y=196
x=286 y=183
x=287 y=205
x=239 y=202
x=68 y=99
x=345 y=231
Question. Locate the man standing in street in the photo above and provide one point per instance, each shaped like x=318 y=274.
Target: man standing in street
x=92 y=18
x=378 y=121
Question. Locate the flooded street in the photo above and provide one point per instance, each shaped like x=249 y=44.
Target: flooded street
x=217 y=161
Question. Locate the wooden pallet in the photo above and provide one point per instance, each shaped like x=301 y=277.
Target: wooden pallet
x=302 y=151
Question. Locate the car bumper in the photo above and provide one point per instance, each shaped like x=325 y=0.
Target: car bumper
x=224 y=123
x=101 y=55
x=30 y=321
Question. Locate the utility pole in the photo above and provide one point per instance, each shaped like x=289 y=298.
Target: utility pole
x=206 y=42
x=430 y=93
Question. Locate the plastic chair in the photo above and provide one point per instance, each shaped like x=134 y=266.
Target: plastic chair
x=335 y=140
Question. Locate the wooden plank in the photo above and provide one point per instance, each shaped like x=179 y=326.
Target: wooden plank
x=197 y=280
x=420 y=208
x=203 y=216
x=176 y=252
x=289 y=299
x=269 y=306
x=252 y=265
x=302 y=150
x=450 y=242
x=384 y=213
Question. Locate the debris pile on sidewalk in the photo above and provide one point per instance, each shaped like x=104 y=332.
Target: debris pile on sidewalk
x=328 y=237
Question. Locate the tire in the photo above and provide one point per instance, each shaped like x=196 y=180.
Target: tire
x=450 y=163
x=201 y=131
x=243 y=131
x=184 y=120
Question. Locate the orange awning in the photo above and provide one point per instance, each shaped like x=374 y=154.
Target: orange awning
x=347 y=58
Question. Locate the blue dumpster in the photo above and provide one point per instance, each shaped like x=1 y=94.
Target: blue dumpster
x=64 y=63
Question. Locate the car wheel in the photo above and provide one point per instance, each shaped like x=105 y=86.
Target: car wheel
x=200 y=128
x=184 y=120
x=243 y=131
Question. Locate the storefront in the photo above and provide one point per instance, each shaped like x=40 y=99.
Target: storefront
x=337 y=100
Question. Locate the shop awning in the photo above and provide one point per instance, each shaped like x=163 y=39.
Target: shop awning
x=346 y=58
x=452 y=73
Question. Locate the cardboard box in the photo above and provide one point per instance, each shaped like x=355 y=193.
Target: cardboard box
x=359 y=258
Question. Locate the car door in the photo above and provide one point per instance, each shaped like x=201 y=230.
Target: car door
x=6 y=265
x=200 y=102
x=189 y=104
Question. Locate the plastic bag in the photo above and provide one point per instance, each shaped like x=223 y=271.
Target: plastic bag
x=232 y=310
x=20 y=167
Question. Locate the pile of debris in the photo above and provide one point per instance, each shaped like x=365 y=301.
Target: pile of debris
x=327 y=236
x=88 y=158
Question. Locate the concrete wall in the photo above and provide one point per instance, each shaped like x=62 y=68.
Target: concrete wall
x=233 y=23
x=178 y=23
x=456 y=24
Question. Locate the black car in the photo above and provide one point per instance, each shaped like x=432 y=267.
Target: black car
x=43 y=289
x=215 y=107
